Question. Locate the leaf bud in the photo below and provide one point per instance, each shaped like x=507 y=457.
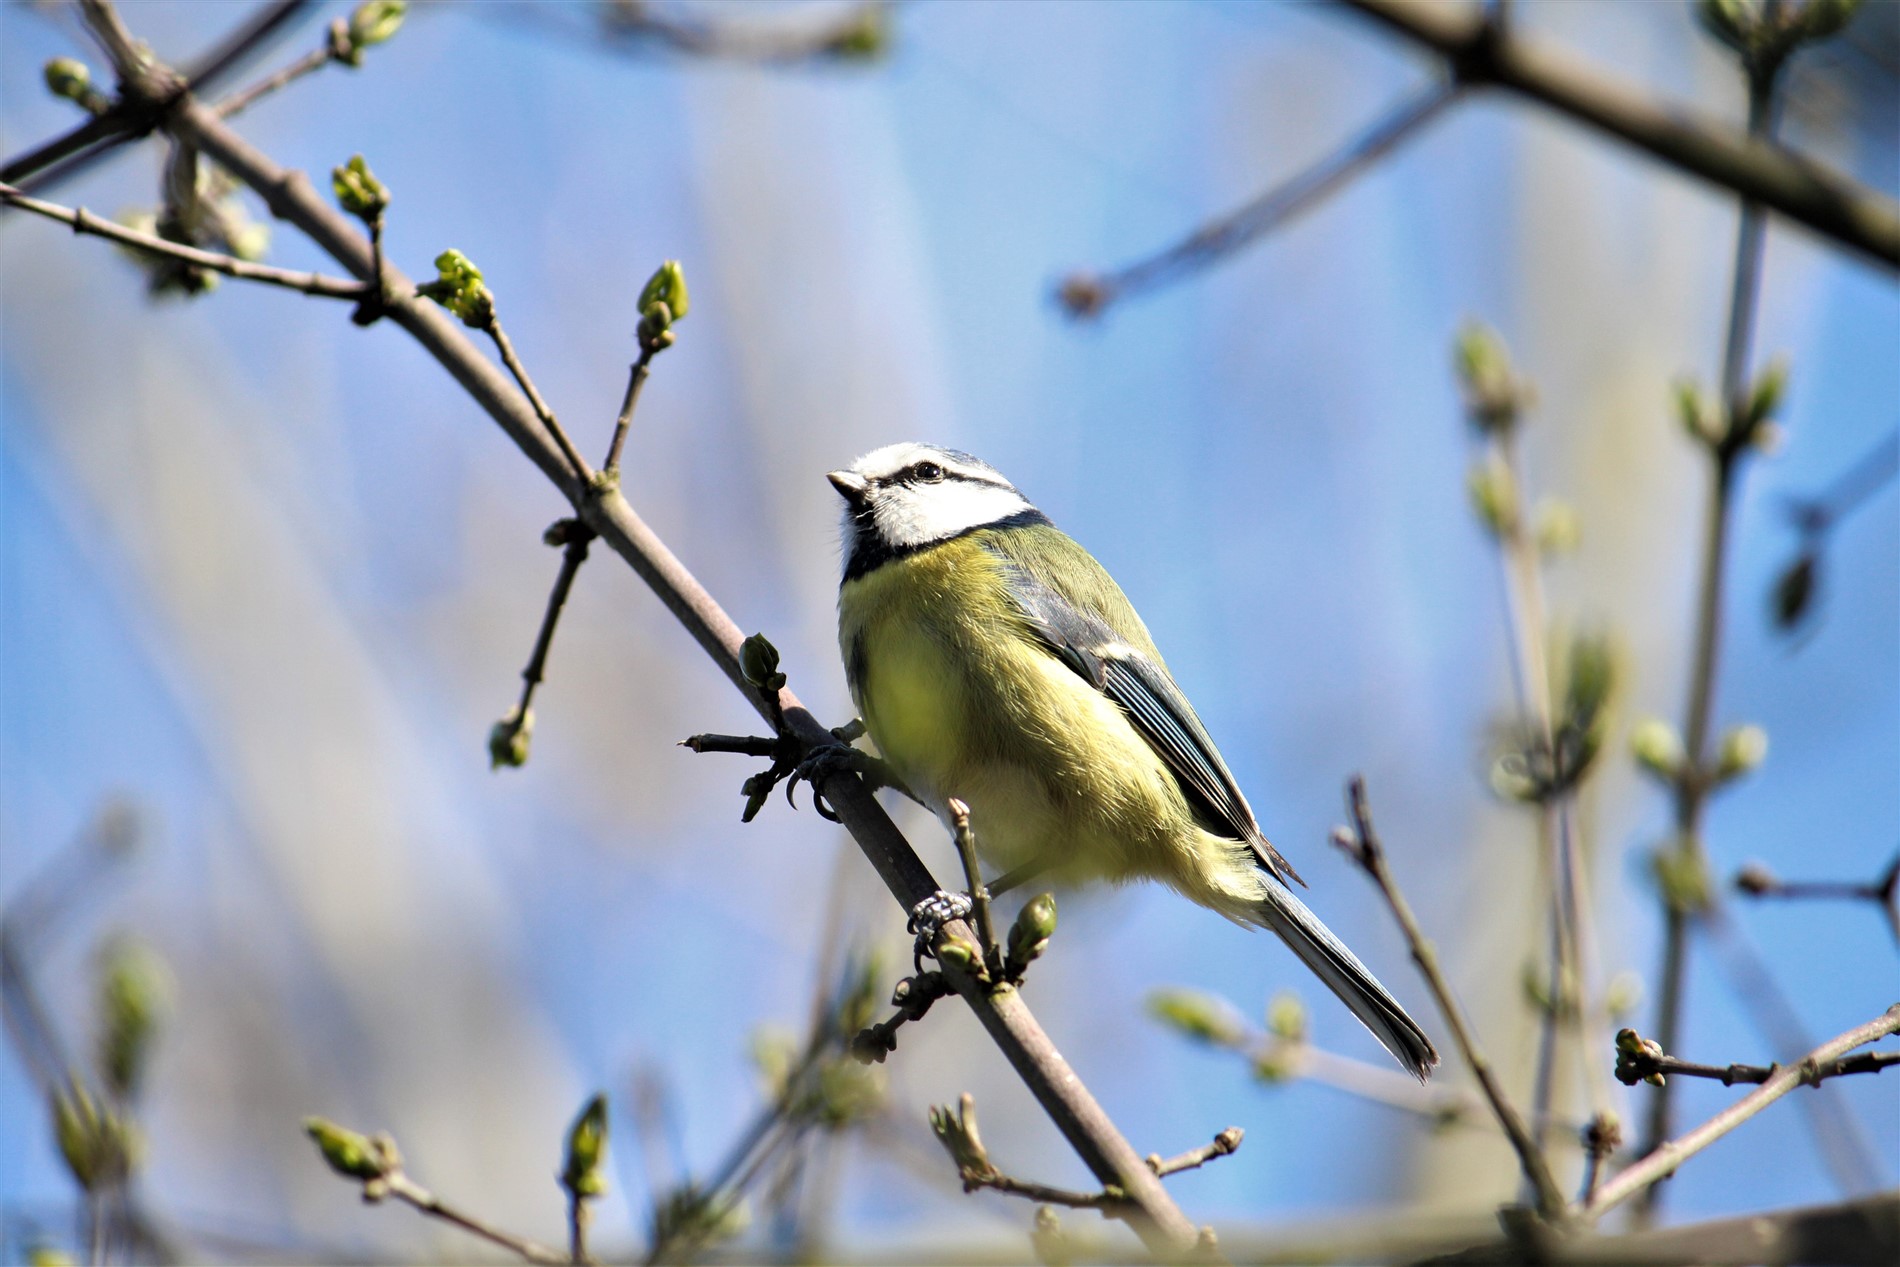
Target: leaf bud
x=956 y=1131
x=1493 y=396
x=1286 y=1017
x=1765 y=397
x=134 y=994
x=508 y=739
x=758 y=664
x=1047 y=1239
x=954 y=950
x=1029 y=935
x=663 y=300
x=358 y=191
x=375 y=21
x=1743 y=748
x=863 y=38
x=582 y=1174
x=70 y=78
x=458 y=287
x=1623 y=995
x=1657 y=747
x=1734 y=22
x=1637 y=1058
x=1280 y=1062
x=1558 y=527
x=1493 y=491
x=1698 y=416
x=1199 y=1016
x=1820 y=19
x=1682 y=877
x=351 y=1155
x=1755 y=879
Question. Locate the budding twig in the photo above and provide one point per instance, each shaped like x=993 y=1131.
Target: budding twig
x=1662 y=1162
x=973 y=872
x=1223 y=1145
x=83 y=222
x=1361 y=843
x=583 y=474
x=1640 y=1060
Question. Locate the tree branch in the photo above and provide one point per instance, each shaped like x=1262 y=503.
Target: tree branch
x=84 y=222
x=1479 y=53
x=1664 y=1160
x=1089 y=295
x=1361 y=843
x=289 y=194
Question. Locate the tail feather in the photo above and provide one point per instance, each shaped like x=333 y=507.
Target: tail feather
x=1345 y=976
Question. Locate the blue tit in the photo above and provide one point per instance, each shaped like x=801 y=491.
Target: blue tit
x=995 y=661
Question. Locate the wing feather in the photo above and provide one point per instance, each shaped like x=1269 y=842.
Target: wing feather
x=1146 y=692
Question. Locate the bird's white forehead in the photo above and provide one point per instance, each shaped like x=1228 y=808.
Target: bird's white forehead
x=881 y=464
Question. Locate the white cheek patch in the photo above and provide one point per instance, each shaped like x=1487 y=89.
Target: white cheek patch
x=933 y=512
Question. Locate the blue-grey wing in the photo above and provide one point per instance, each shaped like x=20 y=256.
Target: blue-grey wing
x=1155 y=706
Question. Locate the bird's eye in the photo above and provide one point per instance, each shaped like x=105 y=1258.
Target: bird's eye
x=928 y=473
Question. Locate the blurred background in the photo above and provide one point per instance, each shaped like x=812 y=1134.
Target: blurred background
x=267 y=579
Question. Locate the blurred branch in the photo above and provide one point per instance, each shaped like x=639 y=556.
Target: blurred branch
x=1640 y=1060
x=1726 y=437
x=1478 y=52
x=1085 y=295
x=1361 y=843
x=1815 y=518
x=375 y=1162
x=83 y=222
x=860 y=31
x=1665 y=1158
x=1756 y=881
x=1223 y=1145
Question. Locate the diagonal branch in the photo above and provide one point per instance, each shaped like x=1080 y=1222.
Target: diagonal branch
x=1662 y=1162
x=1088 y=295
x=1480 y=53
x=290 y=196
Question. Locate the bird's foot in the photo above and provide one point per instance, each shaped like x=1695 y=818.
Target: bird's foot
x=820 y=764
x=928 y=917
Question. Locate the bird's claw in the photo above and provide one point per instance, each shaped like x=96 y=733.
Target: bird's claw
x=928 y=917
x=820 y=764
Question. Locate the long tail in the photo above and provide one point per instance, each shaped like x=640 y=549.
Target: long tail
x=1345 y=976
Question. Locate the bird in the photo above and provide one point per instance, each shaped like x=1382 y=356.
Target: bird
x=994 y=662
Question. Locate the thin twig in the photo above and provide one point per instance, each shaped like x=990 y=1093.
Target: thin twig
x=1729 y=1075
x=1089 y=294
x=1693 y=784
x=582 y=472
x=84 y=222
x=1361 y=842
x=405 y=1189
x=242 y=100
x=1475 y=50
x=636 y=379
x=973 y=873
x=1757 y=881
x=856 y=31
x=1222 y=1145
x=579 y=538
x=1151 y=1212
x=1106 y=1199
x=1663 y=1160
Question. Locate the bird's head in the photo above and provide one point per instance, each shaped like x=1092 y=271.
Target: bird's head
x=904 y=497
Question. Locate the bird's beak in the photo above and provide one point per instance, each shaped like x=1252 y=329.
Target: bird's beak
x=850 y=485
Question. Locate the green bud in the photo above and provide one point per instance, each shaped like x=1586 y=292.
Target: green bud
x=774 y=1052
x=1658 y=748
x=848 y=1092
x=1623 y=995
x=1634 y=1054
x=1286 y=1017
x=374 y=21
x=957 y=951
x=248 y=240
x=1558 y=528
x=1699 y=418
x=351 y=1155
x=758 y=664
x=666 y=286
x=1534 y=982
x=1493 y=491
x=358 y=191
x=508 y=739
x=582 y=1174
x=1198 y=1016
x=1734 y=22
x=458 y=287
x=44 y=1255
x=864 y=38
x=1493 y=397
x=1764 y=399
x=70 y=78
x=1029 y=935
x=1821 y=18
x=957 y=1132
x=1743 y=748
x=1048 y=1241
x=134 y=994
x=1279 y=1062
x=1682 y=877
